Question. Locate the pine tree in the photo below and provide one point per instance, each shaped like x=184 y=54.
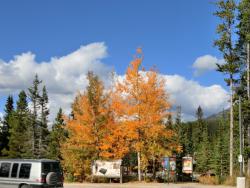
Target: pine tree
x=184 y=133
x=169 y=122
x=57 y=136
x=244 y=38
x=178 y=126
x=226 y=12
x=35 y=99
x=188 y=146
x=43 y=131
x=244 y=48
x=200 y=140
x=198 y=128
x=219 y=161
x=9 y=108
x=179 y=139
x=203 y=153
x=19 y=143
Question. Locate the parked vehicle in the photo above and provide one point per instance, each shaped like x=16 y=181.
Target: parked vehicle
x=30 y=173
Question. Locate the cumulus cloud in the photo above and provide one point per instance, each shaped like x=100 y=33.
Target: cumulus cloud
x=190 y=95
x=206 y=63
x=64 y=76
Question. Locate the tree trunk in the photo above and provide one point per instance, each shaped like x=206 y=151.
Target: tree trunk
x=154 y=175
x=139 y=165
x=248 y=77
x=33 y=139
x=248 y=166
x=231 y=127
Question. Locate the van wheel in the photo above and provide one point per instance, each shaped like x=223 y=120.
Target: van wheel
x=51 y=178
x=25 y=186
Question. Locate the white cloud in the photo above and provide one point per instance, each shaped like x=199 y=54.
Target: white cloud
x=190 y=94
x=206 y=63
x=64 y=76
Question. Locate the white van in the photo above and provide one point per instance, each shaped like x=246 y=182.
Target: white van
x=30 y=173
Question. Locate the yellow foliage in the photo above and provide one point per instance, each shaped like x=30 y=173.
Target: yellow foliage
x=89 y=126
x=140 y=105
x=111 y=124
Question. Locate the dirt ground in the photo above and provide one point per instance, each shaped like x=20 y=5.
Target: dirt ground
x=141 y=185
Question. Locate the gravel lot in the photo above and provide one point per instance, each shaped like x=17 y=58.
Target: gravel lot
x=141 y=185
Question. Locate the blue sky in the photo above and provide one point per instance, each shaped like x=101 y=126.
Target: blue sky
x=173 y=34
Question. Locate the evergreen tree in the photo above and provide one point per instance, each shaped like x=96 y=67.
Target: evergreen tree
x=244 y=51
x=19 y=142
x=178 y=125
x=198 y=128
x=169 y=122
x=57 y=137
x=179 y=131
x=225 y=43
x=219 y=161
x=246 y=131
x=203 y=153
x=35 y=100
x=43 y=131
x=201 y=142
x=9 y=108
x=188 y=147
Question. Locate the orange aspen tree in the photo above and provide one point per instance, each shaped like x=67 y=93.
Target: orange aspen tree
x=140 y=106
x=87 y=128
x=158 y=141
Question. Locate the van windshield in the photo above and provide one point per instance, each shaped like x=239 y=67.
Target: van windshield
x=50 y=167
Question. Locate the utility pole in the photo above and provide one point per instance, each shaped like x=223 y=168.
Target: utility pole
x=248 y=97
x=240 y=129
x=241 y=180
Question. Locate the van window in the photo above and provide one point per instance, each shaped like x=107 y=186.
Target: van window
x=50 y=167
x=14 y=170
x=25 y=171
x=55 y=167
x=5 y=170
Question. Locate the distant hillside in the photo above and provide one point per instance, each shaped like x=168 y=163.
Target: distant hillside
x=218 y=115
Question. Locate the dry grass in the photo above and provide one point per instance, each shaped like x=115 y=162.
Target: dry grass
x=209 y=180
x=230 y=181
x=248 y=181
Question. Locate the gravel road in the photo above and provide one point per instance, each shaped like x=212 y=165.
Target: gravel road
x=141 y=185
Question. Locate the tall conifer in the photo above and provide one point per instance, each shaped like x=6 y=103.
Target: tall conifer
x=57 y=137
x=9 y=108
x=219 y=161
x=19 y=143
x=35 y=99
x=244 y=46
x=43 y=131
x=226 y=12
x=198 y=128
x=201 y=143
